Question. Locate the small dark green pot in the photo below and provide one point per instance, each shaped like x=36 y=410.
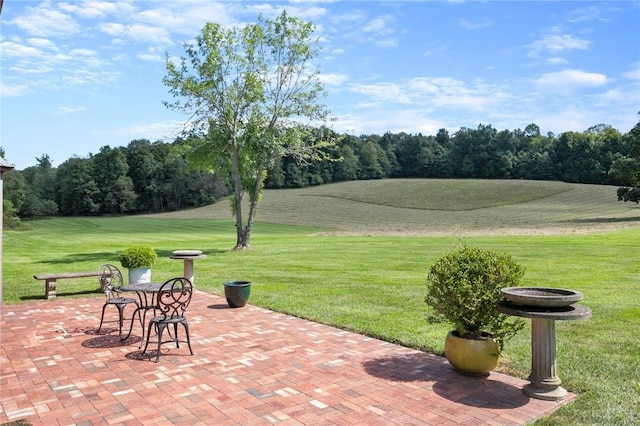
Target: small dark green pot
x=237 y=293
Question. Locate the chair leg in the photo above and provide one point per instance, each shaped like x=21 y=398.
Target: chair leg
x=102 y=317
x=133 y=318
x=175 y=334
x=120 y=317
x=161 y=328
x=186 y=330
x=146 y=342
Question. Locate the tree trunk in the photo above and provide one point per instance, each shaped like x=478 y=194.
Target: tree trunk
x=241 y=234
x=243 y=240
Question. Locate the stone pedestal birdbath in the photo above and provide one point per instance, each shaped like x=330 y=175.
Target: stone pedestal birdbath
x=188 y=256
x=544 y=306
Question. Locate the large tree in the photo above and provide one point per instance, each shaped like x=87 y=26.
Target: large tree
x=40 y=198
x=110 y=168
x=76 y=190
x=627 y=168
x=248 y=90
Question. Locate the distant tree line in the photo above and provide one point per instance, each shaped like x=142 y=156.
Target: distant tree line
x=600 y=155
x=143 y=177
x=147 y=177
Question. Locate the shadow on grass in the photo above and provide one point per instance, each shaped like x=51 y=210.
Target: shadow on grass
x=448 y=383
x=98 y=257
x=606 y=220
x=62 y=294
x=112 y=256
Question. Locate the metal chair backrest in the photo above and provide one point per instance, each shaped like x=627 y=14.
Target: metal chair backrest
x=173 y=298
x=110 y=280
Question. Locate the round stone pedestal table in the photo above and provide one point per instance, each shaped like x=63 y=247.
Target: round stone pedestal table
x=188 y=256
x=544 y=381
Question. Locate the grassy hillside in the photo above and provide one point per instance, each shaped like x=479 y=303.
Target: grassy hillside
x=441 y=207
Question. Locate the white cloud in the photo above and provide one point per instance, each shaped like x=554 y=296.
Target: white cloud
x=376 y=25
x=435 y=50
x=612 y=96
x=43 y=21
x=307 y=13
x=389 y=42
x=68 y=109
x=11 y=91
x=555 y=42
x=349 y=18
x=634 y=72
x=587 y=13
x=42 y=43
x=152 y=54
x=81 y=77
x=161 y=130
x=568 y=80
x=95 y=9
x=372 y=120
x=379 y=25
x=39 y=64
x=177 y=17
x=556 y=60
x=479 y=24
x=568 y=120
x=432 y=93
x=333 y=79
x=13 y=49
x=112 y=28
x=139 y=33
x=83 y=52
x=390 y=92
x=29 y=69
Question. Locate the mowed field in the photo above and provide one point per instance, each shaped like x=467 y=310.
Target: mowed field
x=440 y=207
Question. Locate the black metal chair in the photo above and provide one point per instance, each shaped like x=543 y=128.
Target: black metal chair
x=172 y=301
x=110 y=282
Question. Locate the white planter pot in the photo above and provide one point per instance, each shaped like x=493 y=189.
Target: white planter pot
x=139 y=275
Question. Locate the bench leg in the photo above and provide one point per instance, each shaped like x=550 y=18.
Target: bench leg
x=50 y=289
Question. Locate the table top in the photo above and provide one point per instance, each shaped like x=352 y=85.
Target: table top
x=144 y=287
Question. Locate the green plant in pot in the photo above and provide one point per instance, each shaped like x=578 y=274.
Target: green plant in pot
x=138 y=259
x=463 y=288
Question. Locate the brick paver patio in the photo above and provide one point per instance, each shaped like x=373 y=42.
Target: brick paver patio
x=251 y=366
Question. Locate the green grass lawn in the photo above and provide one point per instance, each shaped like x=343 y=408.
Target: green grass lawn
x=375 y=285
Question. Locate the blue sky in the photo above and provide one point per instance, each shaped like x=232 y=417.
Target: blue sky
x=79 y=75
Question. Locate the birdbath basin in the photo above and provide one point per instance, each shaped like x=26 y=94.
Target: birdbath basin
x=540 y=296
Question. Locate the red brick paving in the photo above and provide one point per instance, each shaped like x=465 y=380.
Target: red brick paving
x=251 y=366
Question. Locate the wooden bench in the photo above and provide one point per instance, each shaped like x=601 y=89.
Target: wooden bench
x=50 y=280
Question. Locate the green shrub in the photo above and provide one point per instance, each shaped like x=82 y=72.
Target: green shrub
x=463 y=288
x=138 y=256
x=10 y=219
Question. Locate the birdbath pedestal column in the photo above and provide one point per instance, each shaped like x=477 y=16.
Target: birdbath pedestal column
x=188 y=256
x=544 y=309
